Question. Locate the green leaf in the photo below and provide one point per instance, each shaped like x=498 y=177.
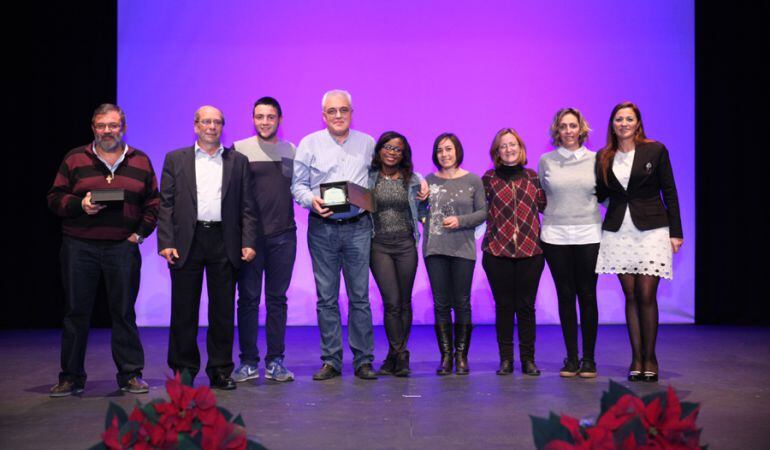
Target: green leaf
x=228 y=415
x=186 y=378
x=239 y=421
x=185 y=442
x=101 y=446
x=546 y=430
x=688 y=408
x=115 y=410
x=633 y=426
x=612 y=396
x=253 y=445
x=649 y=398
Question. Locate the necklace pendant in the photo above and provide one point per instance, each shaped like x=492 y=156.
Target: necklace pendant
x=109 y=179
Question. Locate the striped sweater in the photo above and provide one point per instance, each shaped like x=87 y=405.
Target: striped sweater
x=81 y=172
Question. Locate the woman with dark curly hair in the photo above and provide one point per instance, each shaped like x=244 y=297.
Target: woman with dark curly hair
x=394 y=253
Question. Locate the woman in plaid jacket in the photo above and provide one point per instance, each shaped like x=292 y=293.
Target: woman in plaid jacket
x=512 y=257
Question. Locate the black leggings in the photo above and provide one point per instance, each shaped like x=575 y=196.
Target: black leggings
x=641 y=292
x=574 y=275
x=514 y=283
x=394 y=266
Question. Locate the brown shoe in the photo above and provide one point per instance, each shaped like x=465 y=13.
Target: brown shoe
x=136 y=385
x=65 y=388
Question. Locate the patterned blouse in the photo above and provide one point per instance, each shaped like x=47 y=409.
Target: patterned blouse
x=515 y=197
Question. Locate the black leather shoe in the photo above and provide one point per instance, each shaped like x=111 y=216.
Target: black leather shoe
x=401 y=368
x=650 y=377
x=327 y=372
x=634 y=375
x=366 y=372
x=570 y=368
x=587 y=369
x=388 y=366
x=506 y=367
x=223 y=383
x=530 y=368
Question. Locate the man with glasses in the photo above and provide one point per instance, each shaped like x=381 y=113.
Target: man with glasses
x=271 y=163
x=338 y=240
x=207 y=221
x=101 y=241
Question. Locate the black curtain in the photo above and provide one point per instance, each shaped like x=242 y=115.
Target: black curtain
x=732 y=125
x=65 y=64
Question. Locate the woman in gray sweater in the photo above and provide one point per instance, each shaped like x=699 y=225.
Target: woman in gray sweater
x=570 y=235
x=456 y=206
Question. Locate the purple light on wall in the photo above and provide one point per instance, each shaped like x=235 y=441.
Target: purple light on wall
x=420 y=68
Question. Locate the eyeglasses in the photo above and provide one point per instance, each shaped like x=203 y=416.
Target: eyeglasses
x=209 y=122
x=110 y=126
x=509 y=146
x=393 y=149
x=344 y=111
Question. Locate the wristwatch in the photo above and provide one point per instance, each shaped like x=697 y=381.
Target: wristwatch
x=139 y=239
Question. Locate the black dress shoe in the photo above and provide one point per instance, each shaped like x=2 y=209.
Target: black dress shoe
x=530 y=368
x=401 y=369
x=506 y=367
x=366 y=372
x=650 y=377
x=223 y=383
x=634 y=375
x=327 y=372
x=388 y=366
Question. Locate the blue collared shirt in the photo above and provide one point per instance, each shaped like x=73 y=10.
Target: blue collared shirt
x=321 y=159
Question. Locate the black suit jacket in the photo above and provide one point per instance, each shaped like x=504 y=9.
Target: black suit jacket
x=179 y=204
x=651 y=176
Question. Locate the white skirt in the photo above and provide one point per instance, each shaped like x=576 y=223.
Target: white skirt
x=630 y=250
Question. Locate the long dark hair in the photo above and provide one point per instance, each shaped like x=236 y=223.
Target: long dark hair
x=607 y=153
x=405 y=167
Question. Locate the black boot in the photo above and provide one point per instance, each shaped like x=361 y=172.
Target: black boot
x=444 y=337
x=462 y=342
x=388 y=366
x=402 y=364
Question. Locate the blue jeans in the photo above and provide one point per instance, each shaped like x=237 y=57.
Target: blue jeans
x=275 y=258
x=334 y=247
x=83 y=263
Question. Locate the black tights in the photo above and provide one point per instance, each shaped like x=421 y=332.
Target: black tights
x=641 y=318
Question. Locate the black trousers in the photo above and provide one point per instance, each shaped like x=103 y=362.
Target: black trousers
x=514 y=283
x=451 y=279
x=394 y=265
x=207 y=252
x=574 y=275
x=83 y=264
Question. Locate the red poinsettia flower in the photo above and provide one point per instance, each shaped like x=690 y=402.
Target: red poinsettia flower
x=625 y=409
x=597 y=438
x=667 y=428
x=111 y=436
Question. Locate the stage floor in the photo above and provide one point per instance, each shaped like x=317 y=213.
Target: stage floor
x=726 y=369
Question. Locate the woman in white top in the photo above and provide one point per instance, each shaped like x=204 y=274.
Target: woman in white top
x=641 y=229
x=570 y=235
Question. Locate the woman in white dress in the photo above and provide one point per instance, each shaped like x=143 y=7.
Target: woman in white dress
x=641 y=229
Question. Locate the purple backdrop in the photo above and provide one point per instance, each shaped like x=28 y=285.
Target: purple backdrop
x=420 y=68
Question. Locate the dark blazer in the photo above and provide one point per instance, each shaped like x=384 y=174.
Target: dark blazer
x=179 y=204
x=651 y=176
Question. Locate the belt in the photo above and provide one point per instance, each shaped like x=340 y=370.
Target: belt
x=340 y=221
x=208 y=224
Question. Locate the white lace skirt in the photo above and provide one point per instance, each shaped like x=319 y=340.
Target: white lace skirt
x=630 y=250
